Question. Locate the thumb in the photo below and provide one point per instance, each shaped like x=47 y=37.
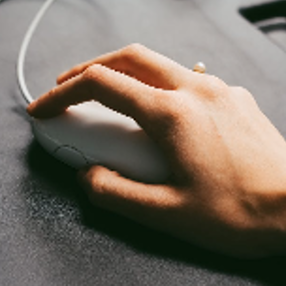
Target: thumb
x=147 y=204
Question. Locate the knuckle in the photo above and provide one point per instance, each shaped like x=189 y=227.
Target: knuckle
x=92 y=73
x=135 y=47
x=241 y=91
x=212 y=88
x=243 y=94
x=132 y=51
x=216 y=85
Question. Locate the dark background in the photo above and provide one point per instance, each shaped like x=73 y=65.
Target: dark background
x=49 y=233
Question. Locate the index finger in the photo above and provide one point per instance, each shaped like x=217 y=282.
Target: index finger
x=111 y=88
x=139 y=62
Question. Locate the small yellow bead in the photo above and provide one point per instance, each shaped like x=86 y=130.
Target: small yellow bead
x=199 y=67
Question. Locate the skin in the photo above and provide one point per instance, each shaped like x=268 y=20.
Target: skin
x=227 y=191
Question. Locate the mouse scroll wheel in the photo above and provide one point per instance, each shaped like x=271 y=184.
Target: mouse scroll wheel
x=71 y=155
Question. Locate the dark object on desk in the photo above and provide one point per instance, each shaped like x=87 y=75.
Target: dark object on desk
x=270 y=18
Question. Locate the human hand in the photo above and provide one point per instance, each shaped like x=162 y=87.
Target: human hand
x=227 y=192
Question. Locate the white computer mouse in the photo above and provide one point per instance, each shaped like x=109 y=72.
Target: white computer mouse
x=90 y=133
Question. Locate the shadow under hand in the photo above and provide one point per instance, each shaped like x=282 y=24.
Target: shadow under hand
x=61 y=180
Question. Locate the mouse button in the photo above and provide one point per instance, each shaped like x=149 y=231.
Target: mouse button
x=71 y=156
x=59 y=130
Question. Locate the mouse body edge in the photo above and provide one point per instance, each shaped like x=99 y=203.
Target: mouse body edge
x=90 y=133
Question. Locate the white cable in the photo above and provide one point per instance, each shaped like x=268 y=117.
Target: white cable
x=22 y=54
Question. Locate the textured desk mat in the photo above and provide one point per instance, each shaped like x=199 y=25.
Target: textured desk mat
x=49 y=233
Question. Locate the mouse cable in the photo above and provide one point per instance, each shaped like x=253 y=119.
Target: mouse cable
x=23 y=50
x=199 y=67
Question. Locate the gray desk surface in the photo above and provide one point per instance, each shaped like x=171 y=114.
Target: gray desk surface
x=49 y=233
